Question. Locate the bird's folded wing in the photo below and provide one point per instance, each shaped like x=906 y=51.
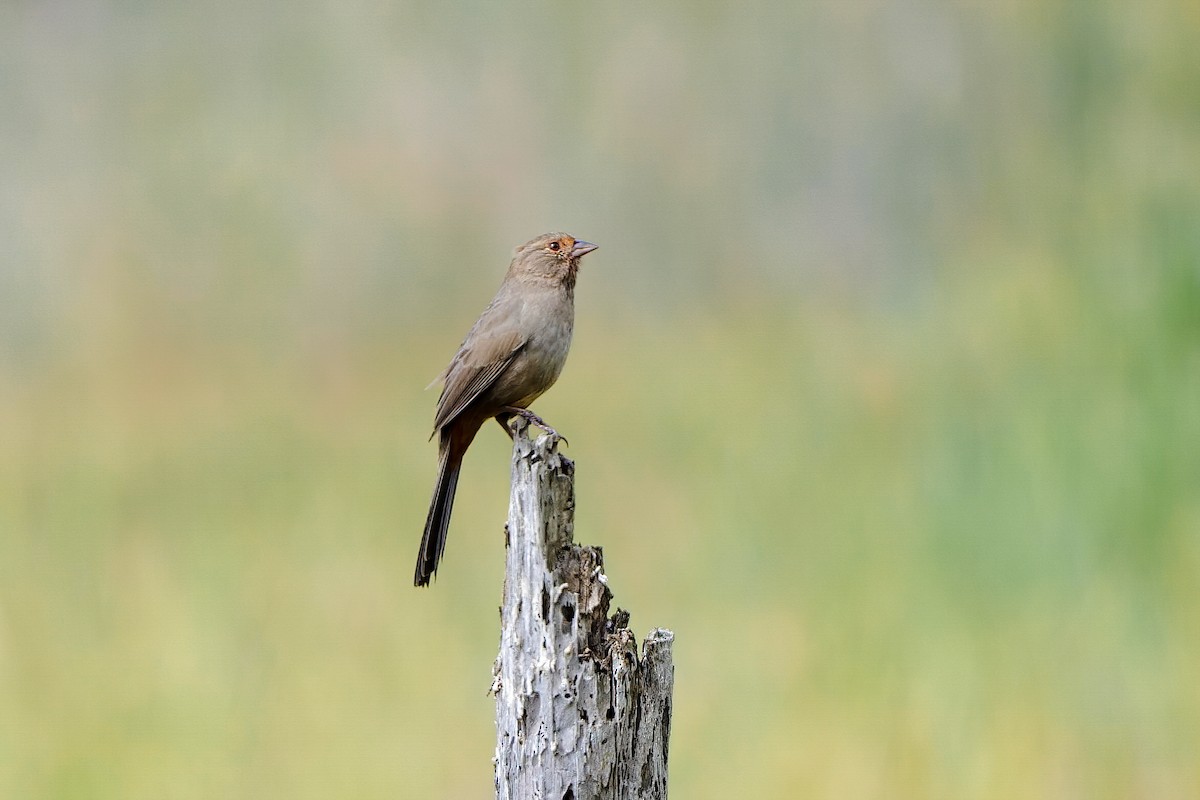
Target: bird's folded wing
x=473 y=370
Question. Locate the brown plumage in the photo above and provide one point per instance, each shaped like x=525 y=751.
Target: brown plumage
x=513 y=353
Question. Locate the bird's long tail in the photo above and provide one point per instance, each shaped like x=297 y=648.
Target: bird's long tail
x=438 y=521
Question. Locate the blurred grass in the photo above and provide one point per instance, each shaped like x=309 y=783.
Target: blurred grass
x=885 y=392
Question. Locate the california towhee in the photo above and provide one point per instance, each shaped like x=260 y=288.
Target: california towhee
x=512 y=354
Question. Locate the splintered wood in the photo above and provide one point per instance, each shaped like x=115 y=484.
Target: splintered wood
x=579 y=715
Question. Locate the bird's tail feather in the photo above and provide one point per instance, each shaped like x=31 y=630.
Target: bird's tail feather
x=438 y=521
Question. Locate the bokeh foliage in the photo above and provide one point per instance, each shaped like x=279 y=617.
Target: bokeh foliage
x=885 y=393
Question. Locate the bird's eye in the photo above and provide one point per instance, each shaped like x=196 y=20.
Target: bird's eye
x=554 y=246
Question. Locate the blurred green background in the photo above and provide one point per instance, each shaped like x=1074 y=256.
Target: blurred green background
x=885 y=393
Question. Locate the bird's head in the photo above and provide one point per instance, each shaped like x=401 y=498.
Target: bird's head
x=552 y=255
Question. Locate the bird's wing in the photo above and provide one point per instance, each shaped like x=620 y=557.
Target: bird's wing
x=473 y=370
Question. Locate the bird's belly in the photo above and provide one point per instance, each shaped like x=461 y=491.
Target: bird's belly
x=535 y=369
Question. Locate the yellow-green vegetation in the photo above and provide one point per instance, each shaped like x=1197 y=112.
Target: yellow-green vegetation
x=885 y=393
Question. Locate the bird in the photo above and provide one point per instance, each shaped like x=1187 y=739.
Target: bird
x=513 y=353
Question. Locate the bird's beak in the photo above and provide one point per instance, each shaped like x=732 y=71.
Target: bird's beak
x=582 y=249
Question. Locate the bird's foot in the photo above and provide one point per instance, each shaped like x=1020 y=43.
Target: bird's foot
x=535 y=420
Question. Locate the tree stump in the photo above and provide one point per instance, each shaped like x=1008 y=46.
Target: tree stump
x=578 y=714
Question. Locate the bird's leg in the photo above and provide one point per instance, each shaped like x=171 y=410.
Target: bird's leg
x=502 y=419
x=534 y=419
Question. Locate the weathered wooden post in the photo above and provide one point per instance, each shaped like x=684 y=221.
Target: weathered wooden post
x=578 y=715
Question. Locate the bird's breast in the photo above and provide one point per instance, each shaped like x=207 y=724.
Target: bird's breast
x=548 y=325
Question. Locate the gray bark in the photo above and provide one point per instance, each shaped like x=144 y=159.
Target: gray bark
x=578 y=714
